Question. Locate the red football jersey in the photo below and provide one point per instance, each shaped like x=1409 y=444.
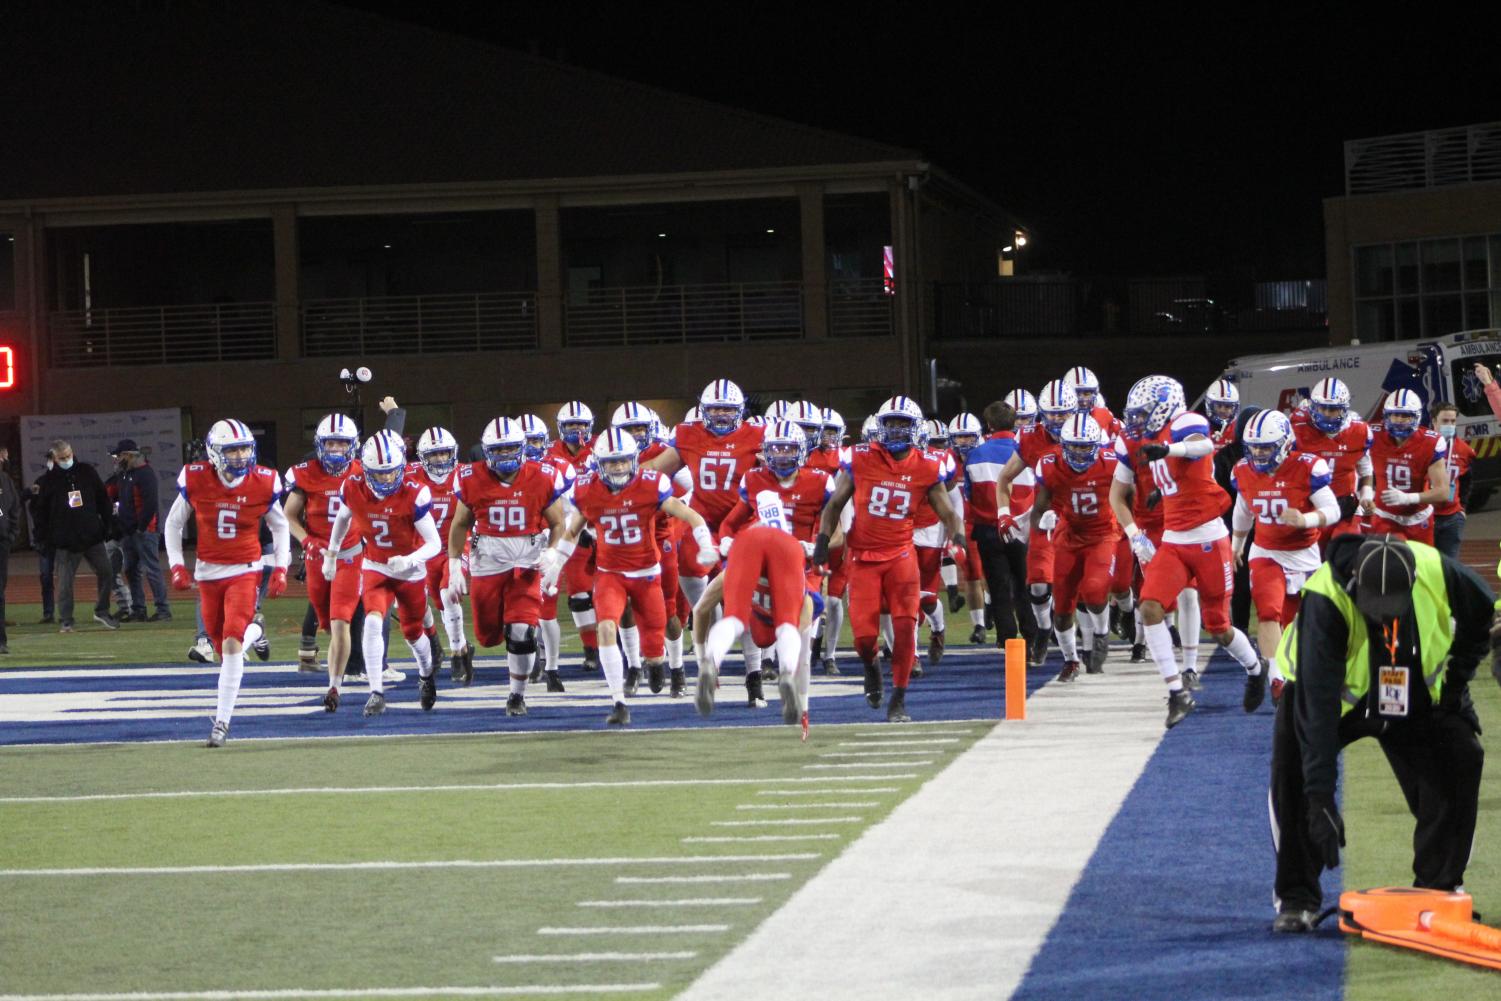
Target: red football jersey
x=1127 y=453
x=624 y=531
x=558 y=454
x=1461 y=457
x=228 y=518
x=1405 y=466
x=508 y=509
x=1289 y=486
x=1082 y=500
x=667 y=528
x=824 y=459
x=1224 y=436
x=887 y=493
x=803 y=501
x=926 y=517
x=1341 y=451
x=717 y=462
x=1190 y=495
x=442 y=496
x=1108 y=422
x=321 y=491
x=387 y=524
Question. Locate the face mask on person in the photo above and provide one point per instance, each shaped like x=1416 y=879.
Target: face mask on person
x=1447 y=431
x=65 y=463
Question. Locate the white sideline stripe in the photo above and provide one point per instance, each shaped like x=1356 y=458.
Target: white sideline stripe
x=868 y=790
x=920 y=732
x=189 y=870
x=684 y=902
x=750 y=877
x=626 y=930
x=352 y=992
x=895 y=743
x=880 y=754
x=737 y=839
x=489 y=787
x=982 y=908
x=805 y=806
x=786 y=822
x=877 y=764
x=596 y=957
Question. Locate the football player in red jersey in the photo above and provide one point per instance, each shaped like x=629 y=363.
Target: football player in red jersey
x=1286 y=496
x=573 y=448
x=1085 y=538
x=1195 y=542
x=886 y=479
x=1327 y=429
x=227 y=498
x=826 y=633
x=393 y=516
x=437 y=458
x=1086 y=387
x=623 y=502
x=965 y=434
x=1055 y=404
x=507 y=501
x=1221 y=405
x=1411 y=471
x=932 y=543
x=810 y=418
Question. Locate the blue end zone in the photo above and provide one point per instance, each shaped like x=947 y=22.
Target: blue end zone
x=163 y=702
x=1176 y=901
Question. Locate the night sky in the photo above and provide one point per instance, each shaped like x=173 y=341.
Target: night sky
x=1133 y=144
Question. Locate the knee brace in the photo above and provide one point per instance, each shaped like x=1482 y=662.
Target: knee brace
x=581 y=603
x=1040 y=594
x=521 y=639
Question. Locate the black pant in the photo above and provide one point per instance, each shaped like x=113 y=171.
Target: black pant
x=1240 y=601
x=1005 y=564
x=1437 y=760
x=4 y=580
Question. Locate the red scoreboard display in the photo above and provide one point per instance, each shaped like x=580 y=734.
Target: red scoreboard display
x=7 y=367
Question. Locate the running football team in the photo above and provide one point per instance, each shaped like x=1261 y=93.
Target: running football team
x=1051 y=518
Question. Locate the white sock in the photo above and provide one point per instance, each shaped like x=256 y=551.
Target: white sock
x=427 y=617
x=1101 y=621
x=751 y=652
x=977 y=616
x=1160 y=645
x=423 y=651
x=610 y=661
x=231 y=670
x=1188 y=627
x=949 y=574
x=1244 y=653
x=552 y=639
x=453 y=622
x=375 y=651
x=1066 y=645
x=834 y=612
x=1086 y=629
x=789 y=647
x=675 y=653
x=693 y=588
x=630 y=641
x=1125 y=602
x=1136 y=614
x=722 y=636
x=935 y=618
x=886 y=630
x=253 y=634
x=1043 y=611
x=520 y=665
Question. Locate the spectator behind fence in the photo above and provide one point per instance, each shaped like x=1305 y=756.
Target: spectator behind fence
x=10 y=530
x=1449 y=516
x=140 y=537
x=44 y=551
x=73 y=516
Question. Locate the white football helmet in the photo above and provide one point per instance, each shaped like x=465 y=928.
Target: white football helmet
x=870 y=430
x=504 y=445
x=721 y=406
x=1329 y=406
x=1080 y=441
x=1401 y=413
x=231 y=448
x=384 y=457
x=438 y=451
x=575 y=423
x=1268 y=438
x=694 y=415
x=785 y=447
x=636 y=420
x=778 y=411
x=1151 y=404
x=615 y=453
x=538 y=439
x=965 y=433
x=900 y=420
x=1054 y=405
x=833 y=428
x=1222 y=403
x=935 y=434
x=335 y=443
x=1025 y=405
x=808 y=417
x=1085 y=386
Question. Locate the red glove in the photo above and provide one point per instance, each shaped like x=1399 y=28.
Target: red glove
x=180 y=579
x=1005 y=523
x=312 y=550
x=277 y=586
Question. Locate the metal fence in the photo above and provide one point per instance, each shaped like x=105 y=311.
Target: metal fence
x=1429 y=159
x=1014 y=307
x=683 y=314
x=158 y=335
x=860 y=307
x=420 y=324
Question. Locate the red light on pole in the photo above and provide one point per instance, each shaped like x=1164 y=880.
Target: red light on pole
x=7 y=367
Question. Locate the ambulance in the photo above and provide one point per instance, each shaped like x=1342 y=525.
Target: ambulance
x=1441 y=368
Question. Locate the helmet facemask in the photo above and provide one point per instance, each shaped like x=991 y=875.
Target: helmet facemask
x=1053 y=421
x=963 y=442
x=898 y=432
x=721 y=418
x=234 y=460
x=1080 y=455
x=1400 y=424
x=617 y=471
x=383 y=481
x=575 y=433
x=1329 y=418
x=334 y=453
x=504 y=458
x=439 y=462
x=783 y=458
x=1221 y=412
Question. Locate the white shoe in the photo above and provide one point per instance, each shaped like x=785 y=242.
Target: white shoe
x=391 y=676
x=202 y=652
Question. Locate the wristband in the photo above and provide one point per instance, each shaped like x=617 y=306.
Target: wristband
x=566 y=547
x=1003 y=511
x=1133 y=530
x=1367 y=494
x=703 y=536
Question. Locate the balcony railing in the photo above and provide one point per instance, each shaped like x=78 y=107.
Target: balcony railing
x=1423 y=159
x=684 y=314
x=158 y=335
x=860 y=307
x=420 y=324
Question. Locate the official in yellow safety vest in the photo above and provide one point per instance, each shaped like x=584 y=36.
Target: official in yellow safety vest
x=1385 y=644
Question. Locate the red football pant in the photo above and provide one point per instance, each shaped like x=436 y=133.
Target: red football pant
x=892 y=583
x=612 y=591
x=497 y=600
x=674 y=602
x=228 y=606
x=577 y=578
x=1269 y=592
x=770 y=554
x=968 y=562
x=1422 y=532
x=409 y=597
x=929 y=583
x=1082 y=573
x=1207 y=565
x=839 y=573
x=1039 y=559
x=436 y=568
x=1125 y=569
x=336 y=599
x=688 y=565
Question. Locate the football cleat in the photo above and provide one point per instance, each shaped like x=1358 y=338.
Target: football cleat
x=1037 y=650
x=539 y=664
x=331 y=701
x=956 y=599
x=461 y=666
x=830 y=668
x=1295 y=922
x=935 y=647
x=591 y=659
x=307 y=655
x=1096 y=662
x=656 y=676
x=755 y=697
x=619 y=716
x=1191 y=681
x=703 y=690
x=791 y=710
x=632 y=680
x=218 y=735
x=375 y=705
x=554 y=683
x=202 y=652
x=896 y=709
x=1255 y=691
x=391 y=676
x=977 y=635
x=516 y=704
x=262 y=646
x=1138 y=652
x=1070 y=671
x=427 y=690
x=873 y=685
x=770 y=671
x=679 y=683
x=916 y=667
x=1179 y=705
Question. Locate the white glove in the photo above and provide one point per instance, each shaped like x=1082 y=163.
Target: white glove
x=707 y=554
x=1143 y=548
x=458 y=582
x=1397 y=498
x=551 y=565
x=707 y=557
x=1047 y=521
x=400 y=563
x=330 y=564
x=808 y=548
x=724 y=546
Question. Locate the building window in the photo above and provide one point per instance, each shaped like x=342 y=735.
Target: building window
x=1427 y=288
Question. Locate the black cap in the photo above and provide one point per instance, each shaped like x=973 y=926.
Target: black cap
x=1385 y=572
x=126 y=445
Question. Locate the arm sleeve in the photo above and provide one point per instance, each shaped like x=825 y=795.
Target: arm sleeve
x=1323 y=639
x=1471 y=602
x=281 y=536
x=956 y=499
x=1363 y=467
x=1242 y=519
x=1323 y=499
x=431 y=544
x=177 y=520
x=396 y=420
x=340 y=529
x=1124 y=474
x=1193 y=448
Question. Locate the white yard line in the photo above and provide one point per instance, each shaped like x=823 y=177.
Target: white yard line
x=598 y=957
x=868 y=790
x=350 y=992
x=982 y=906
x=917 y=730
x=750 y=877
x=786 y=822
x=731 y=839
x=627 y=930
x=896 y=743
x=874 y=764
x=683 y=902
x=848 y=805
x=879 y=754
x=193 y=870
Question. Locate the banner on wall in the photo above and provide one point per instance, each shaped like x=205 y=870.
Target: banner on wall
x=158 y=434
